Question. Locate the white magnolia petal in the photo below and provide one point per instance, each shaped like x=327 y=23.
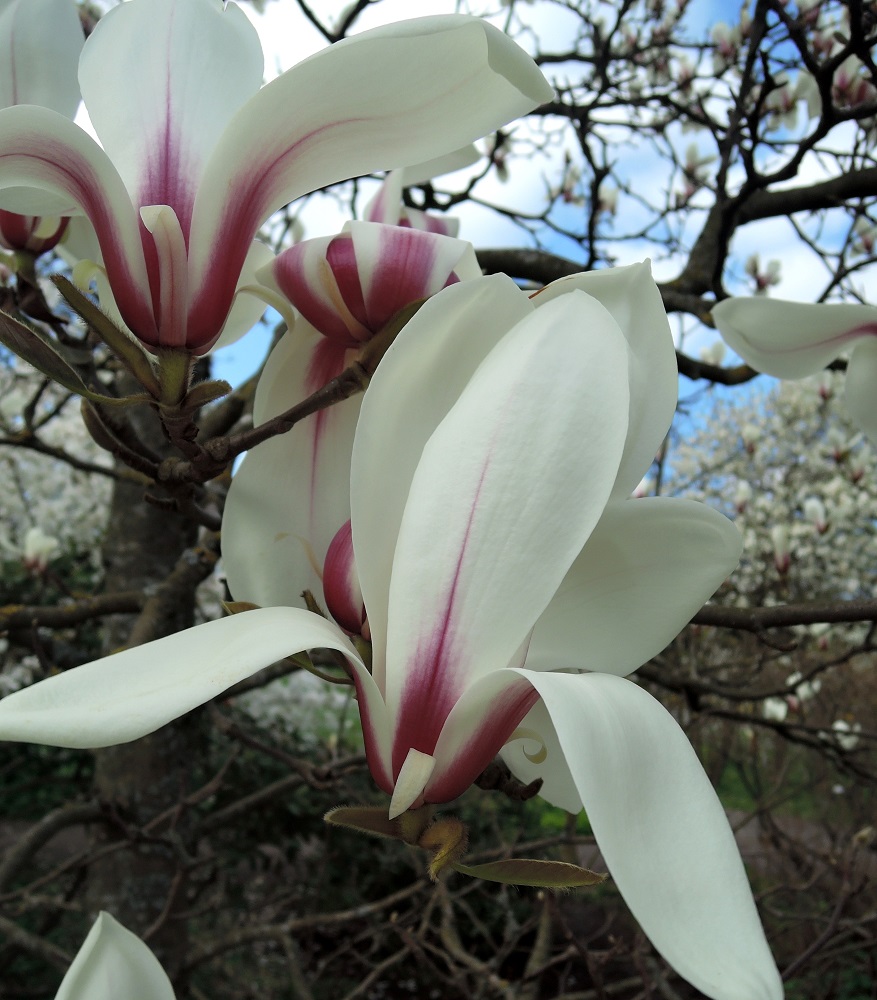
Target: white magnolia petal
x=632 y=296
x=508 y=489
x=292 y=493
x=662 y=832
x=418 y=380
x=390 y=97
x=247 y=309
x=860 y=390
x=112 y=964
x=41 y=42
x=130 y=694
x=648 y=567
x=792 y=339
x=458 y=159
x=187 y=66
x=46 y=152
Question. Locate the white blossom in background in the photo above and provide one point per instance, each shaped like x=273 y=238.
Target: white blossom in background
x=39 y=491
x=847 y=734
x=763 y=277
x=804 y=467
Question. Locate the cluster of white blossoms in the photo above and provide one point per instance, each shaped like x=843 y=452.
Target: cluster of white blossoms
x=39 y=491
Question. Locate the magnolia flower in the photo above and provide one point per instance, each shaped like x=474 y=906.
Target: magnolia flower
x=114 y=964
x=726 y=40
x=763 y=279
x=607 y=198
x=196 y=156
x=846 y=735
x=41 y=41
x=779 y=539
x=864 y=236
x=742 y=495
x=714 y=354
x=814 y=511
x=804 y=690
x=774 y=709
x=508 y=586
x=793 y=340
x=39 y=548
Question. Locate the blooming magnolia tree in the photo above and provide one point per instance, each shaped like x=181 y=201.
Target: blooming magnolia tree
x=466 y=514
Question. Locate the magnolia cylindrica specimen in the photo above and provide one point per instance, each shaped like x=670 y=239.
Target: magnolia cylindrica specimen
x=508 y=583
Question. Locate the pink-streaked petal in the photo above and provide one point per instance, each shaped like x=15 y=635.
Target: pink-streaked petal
x=662 y=831
x=305 y=275
x=292 y=493
x=476 y=729
x=40 y=41
x=653 y=561
x=114 y=963
x=632 y=297
x=792 y=339
x=43 y=150
x=418 y=380
x=123 y=697
x=507 y=491
x=376 y=731
x=188 y=66
x=390 y=97
x=860 y=390
x=398 y=266
x=35 y=233
x=169 y=244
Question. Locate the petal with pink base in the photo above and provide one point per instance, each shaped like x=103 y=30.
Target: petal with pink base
x=507 y=490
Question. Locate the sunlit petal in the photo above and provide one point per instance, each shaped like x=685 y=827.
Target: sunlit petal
x=114 y=963
x=123 y=697
x=648 y=567
x=632 y=297
x=792 y=339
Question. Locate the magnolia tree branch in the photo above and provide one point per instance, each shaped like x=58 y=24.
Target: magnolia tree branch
x=757 y=620
x=16 y=616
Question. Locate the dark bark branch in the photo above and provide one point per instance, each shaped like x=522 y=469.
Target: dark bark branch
x=756 y=620
x=64 y=615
